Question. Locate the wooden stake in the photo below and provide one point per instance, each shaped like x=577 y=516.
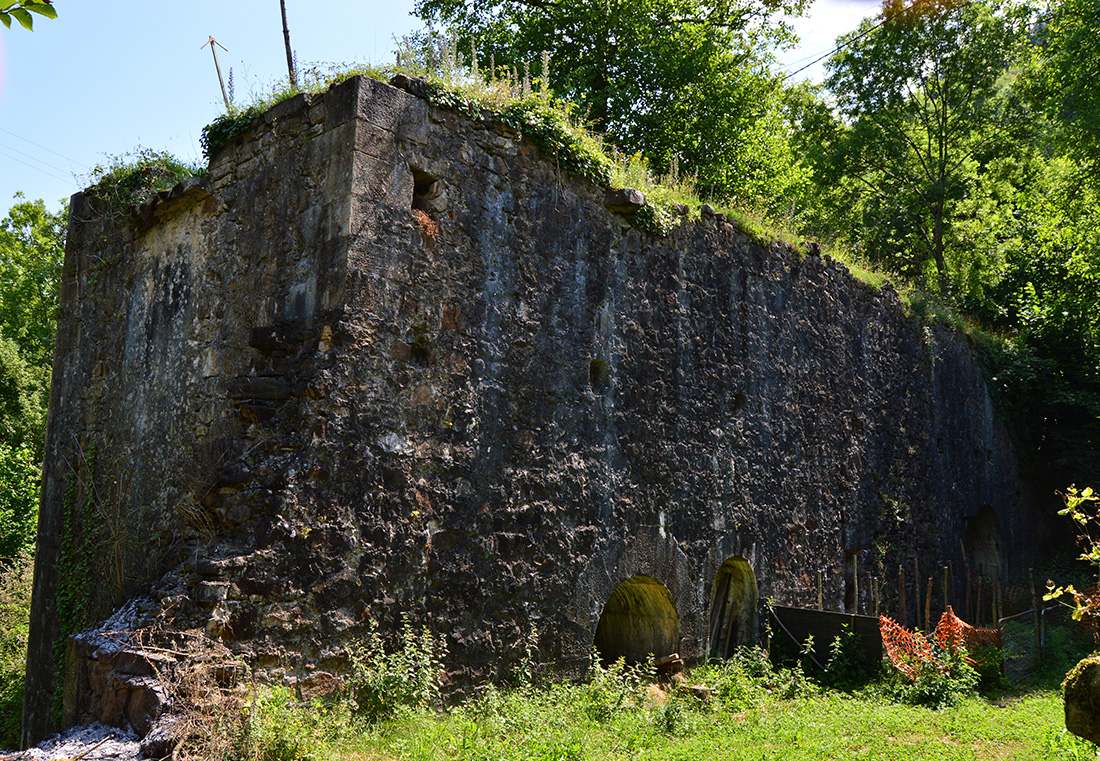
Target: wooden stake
x=977 y=602
x=916 y=593
x=966 y=577
x=903 y=613
x=855 y=583
x=820 y=598
x=874 y=593
x=998 y=605
x=928 y=607
x=1035 y=616
x=946 y=601
x=212 y=43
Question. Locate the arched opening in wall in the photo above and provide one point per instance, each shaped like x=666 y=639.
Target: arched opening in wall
x=983 y=544
x=732 y=608
x=426 y=190
x=638 y=619
x=985 y=566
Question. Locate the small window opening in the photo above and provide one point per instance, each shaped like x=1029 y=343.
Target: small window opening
x=420 y=351
x=425 y=186
x=739 y=402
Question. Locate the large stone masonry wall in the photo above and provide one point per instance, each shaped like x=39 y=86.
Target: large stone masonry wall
x=389 y=362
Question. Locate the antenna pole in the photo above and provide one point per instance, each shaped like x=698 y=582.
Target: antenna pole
x=289 y=53
x=212 y=43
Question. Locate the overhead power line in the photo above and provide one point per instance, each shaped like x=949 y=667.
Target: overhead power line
x=836 y=49
x=48 y=173
x=37 y=145
x=32 y=158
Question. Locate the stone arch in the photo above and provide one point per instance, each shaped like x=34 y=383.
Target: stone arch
x=649 y=551
x=732 y=607
x=638 y=620
x=984 y=544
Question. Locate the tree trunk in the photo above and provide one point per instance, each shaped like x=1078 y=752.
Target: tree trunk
x=937 y=250
x=289 y=52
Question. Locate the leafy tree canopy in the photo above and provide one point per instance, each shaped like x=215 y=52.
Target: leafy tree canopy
x=31 y=250
x=31 y=247
x=682 y=81
x=920 y=88
x=1063 y=75
x=21 y=11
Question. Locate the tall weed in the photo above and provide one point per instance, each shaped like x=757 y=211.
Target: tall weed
x=383 y=684
x=278 y=727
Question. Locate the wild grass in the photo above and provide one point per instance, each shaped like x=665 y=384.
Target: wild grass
x=754 y=711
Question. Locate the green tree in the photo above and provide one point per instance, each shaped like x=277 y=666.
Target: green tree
x=1063 y=76
x=24 y=390
x=19 y=474
x=1046 y=378
x=919 y=88
x=31 y=249
x=669 y=78
x=21 y=11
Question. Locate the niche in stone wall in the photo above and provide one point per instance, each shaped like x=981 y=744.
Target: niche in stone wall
x=638 y=619
x=732 y=608
x=429 y=194
x=983 y=543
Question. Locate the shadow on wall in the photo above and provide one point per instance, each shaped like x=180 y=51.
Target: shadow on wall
x=638 y=619
x=732 y=608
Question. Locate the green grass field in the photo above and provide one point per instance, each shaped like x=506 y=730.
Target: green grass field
x=829 y=726
x=753 y=713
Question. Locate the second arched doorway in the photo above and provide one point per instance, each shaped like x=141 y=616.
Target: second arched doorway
x=732 y=608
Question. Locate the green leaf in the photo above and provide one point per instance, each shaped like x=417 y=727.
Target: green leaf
x=43 y=9
x=5 y=19
x=23 y=18
x=5 y=4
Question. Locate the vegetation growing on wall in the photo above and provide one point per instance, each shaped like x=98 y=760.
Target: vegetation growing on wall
x=127 y=180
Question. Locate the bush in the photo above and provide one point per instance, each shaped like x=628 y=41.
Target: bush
x=127 y=180
x=615 y=689
x=941 y=684
x=280 y=728
x=383 y=684
x=19 y=477
x=15 y=607
x=846 y=669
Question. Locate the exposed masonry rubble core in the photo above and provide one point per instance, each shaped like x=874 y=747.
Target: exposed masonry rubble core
x=386 y=361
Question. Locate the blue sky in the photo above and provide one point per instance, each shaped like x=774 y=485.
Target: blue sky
x=108 y=76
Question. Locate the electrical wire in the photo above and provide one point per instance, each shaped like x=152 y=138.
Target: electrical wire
x=37 y=145
x=52 y=175
x=32 y=158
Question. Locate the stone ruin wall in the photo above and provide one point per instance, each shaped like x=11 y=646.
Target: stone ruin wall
x=387 y=361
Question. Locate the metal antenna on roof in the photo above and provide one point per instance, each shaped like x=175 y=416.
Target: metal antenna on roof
x=213 y=45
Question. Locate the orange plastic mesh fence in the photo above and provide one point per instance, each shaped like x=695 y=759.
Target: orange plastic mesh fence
x=909 y=650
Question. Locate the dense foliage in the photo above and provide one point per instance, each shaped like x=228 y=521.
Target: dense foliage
x=917 y=90
x=684 y=82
